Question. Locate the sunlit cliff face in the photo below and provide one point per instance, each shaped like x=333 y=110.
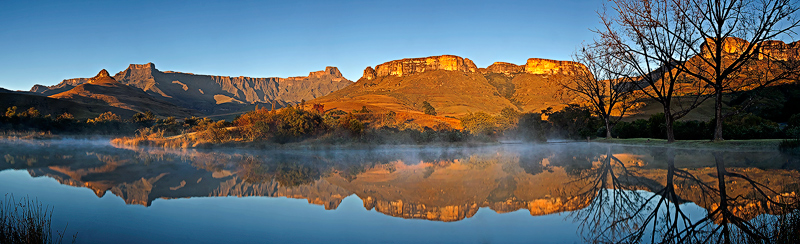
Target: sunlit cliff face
x=409 y=66
x=767 y=50
x=433 y=184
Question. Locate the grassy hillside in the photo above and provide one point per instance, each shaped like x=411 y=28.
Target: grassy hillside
x=55 y=107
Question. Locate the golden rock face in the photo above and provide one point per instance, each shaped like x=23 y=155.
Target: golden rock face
x=538 y=66
x=405 y=67
x=409 y=66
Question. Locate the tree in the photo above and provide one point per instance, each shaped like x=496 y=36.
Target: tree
x=428 y=109
x=603 y=82
x=710 y=41
x=104 y=117
x=11 y=111
x=32 y=112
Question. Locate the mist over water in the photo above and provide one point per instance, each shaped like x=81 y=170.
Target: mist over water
x=571 y=192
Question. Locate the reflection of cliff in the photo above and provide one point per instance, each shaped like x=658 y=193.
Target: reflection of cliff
x=441 y=186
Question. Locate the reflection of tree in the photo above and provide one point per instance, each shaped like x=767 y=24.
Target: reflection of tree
x=608 y=189
x=618 y=214
x=661 y=215
x=295 y=174
x=734 y=211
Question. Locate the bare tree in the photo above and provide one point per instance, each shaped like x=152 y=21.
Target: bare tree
x=709 y=40
x=602 y=83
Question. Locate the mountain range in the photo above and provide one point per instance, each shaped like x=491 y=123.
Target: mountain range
x=213 y=95
x=453 y=85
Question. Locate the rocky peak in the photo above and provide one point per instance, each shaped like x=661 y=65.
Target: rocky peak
x=102 y=77
x=147 y=66
x=369 y=73
x=329 y=71
x=103 y=73
x=405 y=67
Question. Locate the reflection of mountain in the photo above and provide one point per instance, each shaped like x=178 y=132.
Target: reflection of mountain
x=435 y=185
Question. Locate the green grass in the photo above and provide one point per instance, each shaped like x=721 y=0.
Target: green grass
x=755 y=144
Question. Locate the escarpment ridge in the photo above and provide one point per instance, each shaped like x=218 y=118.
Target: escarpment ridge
x=409 y=66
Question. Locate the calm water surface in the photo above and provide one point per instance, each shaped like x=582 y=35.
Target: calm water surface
x=554 y=193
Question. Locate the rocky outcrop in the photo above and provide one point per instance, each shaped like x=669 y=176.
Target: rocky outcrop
x=539 y=66
x=369 y=73
x=409 y=66
x=503 y=68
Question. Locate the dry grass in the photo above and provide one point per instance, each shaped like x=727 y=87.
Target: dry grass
x=27 y=221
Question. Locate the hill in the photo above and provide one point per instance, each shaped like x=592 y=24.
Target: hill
x=104 y=90
x=215 y=95
x=453 y=85
x=55 y=107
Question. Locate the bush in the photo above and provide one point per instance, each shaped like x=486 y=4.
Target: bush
x=572 y=122
x=750 y=126
x=479 y=123
x=530 y=127
x=428 y=109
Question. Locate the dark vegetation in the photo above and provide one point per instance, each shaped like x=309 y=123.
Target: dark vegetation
x=27 y=221
x=108 y=123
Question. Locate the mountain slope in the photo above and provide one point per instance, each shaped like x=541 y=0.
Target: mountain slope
x=104 y=90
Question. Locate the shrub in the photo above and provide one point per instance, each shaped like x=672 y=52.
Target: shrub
x=428 y=109
x=573 y=122
x=479 y=123
x=750 y=126
x=530 y=127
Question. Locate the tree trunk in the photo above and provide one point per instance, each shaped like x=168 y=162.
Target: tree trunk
x=718 y=115
x=669 y=124
x=608 y=128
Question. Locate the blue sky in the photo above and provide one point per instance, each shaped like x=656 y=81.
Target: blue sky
x=44 y=42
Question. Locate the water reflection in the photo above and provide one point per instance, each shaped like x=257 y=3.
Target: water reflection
x=616 y=193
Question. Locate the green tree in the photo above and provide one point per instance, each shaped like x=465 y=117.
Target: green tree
x=479 y=123
x=428 y=109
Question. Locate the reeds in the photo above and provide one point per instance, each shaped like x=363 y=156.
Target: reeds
x=27 y=221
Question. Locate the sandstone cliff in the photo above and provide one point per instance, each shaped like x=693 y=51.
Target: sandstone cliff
x=538 y=66
x=771 y=49
x=405 y=67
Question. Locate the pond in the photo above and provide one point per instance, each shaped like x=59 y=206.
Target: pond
x=549 y=193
